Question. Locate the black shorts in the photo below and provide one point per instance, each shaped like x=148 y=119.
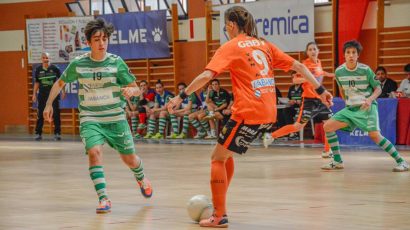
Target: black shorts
x=311 y=108
x=236 y=136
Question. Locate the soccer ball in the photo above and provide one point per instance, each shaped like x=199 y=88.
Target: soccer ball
x=200 y=207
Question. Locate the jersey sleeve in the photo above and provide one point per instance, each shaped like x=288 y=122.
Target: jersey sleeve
x=222 y=59
x=280 y=59
x=36 y=73
x=124 y=74
x=70 y=73
x=372 y=79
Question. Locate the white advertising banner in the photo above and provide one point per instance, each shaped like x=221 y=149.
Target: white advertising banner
x=62 y=38
x=288 y=24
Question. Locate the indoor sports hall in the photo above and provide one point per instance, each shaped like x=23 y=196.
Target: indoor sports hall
x=284 y=114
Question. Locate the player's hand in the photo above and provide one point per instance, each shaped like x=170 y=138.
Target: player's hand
x=366 y=104
x=173 y=104
x=34 y=98
x=129 y=92
x=326 y=98
x=48 y=113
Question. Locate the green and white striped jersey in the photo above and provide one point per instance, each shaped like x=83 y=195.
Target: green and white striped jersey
x=357 y=84
x=100 y=83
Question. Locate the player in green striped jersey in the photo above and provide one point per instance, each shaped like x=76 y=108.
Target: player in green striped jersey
x=105 y=82
x=359 y=88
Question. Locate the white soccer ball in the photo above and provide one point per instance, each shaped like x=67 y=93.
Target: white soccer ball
x=200 y=207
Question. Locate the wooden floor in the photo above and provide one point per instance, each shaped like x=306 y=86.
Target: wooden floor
x=46 y=186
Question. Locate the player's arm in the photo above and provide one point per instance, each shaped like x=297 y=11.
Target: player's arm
x=221 y=107
x=201 y=80
x=35 y=90
x=326 y=74
x=55 y=91
x=325 y=96
x=58 y=73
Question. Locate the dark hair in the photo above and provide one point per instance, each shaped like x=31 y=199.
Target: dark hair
x=96 y=25
x=144 y=81
x=181 y=83
x=407 y=68
x=293 y=72
x=243 y=19
x=310 y=43
x=159 y=82
x=215 y=80
x=353 y=44
x=381 y=68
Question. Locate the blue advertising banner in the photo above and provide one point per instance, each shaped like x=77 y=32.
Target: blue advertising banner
x=387 y=120
x=139 y=35
x=71 y=89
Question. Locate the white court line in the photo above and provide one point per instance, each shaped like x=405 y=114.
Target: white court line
x=29 y=147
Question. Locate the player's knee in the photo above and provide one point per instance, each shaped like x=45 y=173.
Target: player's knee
x=375 y=136
x=327 y=127
x=95 y=156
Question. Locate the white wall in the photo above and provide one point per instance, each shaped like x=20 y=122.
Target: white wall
x=11 y=40
x=397 y=14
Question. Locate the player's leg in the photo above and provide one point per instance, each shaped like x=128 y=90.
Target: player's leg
x=161 y=126
x=56 y=120
x=40 y=119
x=151 y=125
x=330 y=128
x=193 y=119
x=120 y=138
x=185 y=125
x=93 y=138
x=174 y=125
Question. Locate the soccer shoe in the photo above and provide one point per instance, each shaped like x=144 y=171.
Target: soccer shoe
x=172 y=136
x=267 y=140
x=142 y=126
x=157 y=136
x=401 y=167
x=57 y=137
x=104 y=206
x=38 y=137
x=181 y=136
x=146 y=187
x=211 y=136
x=328 y=154
x=200 y=135
x=333 y=165
x=215 y=222
x=148 y=136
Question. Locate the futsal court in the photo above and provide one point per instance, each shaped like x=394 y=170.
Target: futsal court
x=46 y=186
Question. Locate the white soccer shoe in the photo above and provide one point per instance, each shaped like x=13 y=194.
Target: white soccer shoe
x=401 y=167
x=267 y=139
x=333 y=165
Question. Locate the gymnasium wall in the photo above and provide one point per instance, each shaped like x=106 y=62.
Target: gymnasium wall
x=13 y=87
x=13 y=80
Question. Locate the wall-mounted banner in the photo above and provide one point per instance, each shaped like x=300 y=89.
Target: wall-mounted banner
x=62 y=38
x=139 y=35
x=288 y=24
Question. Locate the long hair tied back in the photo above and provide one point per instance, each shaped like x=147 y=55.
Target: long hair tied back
x=243 y=19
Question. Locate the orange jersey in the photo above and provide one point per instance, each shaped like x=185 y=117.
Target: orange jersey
x=250 y=62
x=317 y=71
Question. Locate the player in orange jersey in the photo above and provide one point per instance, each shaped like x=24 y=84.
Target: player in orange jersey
x=250 y=61
x=311 y=105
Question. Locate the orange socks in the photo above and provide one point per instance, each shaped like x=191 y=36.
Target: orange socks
x=221 y=175
x=219 y=186
x=229 y=165
x=285 y=130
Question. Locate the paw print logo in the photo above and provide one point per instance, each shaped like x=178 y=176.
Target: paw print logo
x=157 y=34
